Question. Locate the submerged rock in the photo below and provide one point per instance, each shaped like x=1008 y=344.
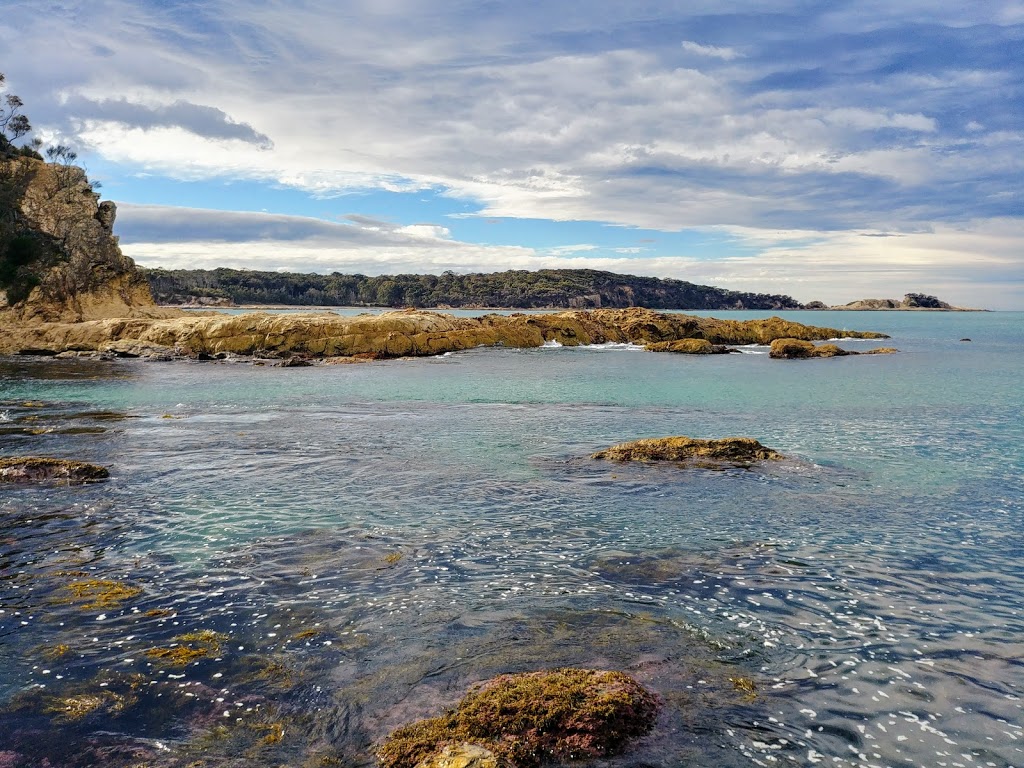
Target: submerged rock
x=799 y=349
x=38 y=469
x=529 y=719
x=726 y=450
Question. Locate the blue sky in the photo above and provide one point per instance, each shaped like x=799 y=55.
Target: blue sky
x=827 y=150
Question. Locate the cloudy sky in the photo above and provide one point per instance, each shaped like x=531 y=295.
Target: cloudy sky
x=828 y=150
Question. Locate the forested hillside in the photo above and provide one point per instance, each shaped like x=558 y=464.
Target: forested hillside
x=581 y=288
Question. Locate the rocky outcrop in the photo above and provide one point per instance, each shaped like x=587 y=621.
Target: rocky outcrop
x=738 y=451
x=398 y=334
x=917 y=301
x=40 y=469
x=690 y=347
x=798 y=349
x=529 y=719
x=60 y=258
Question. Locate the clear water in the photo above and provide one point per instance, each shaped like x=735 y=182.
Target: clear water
x=371 y=539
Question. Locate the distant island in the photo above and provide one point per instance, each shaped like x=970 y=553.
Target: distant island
x=912 y=301
x=519 y=289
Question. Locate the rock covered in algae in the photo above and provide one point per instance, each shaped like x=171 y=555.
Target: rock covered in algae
x=398 y=334
x=798 y=349
x=38 y=469
x=689 y=347
x=731 y=450
x=529 y=719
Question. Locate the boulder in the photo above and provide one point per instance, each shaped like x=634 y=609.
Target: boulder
x=529 y=719
x=39 y=469
x=739 y=451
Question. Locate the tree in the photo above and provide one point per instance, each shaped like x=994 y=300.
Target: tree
x=13 y=124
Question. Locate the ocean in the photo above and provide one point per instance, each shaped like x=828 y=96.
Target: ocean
x=288 y=563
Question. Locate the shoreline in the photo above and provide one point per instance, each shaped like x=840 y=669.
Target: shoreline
x=474 y=308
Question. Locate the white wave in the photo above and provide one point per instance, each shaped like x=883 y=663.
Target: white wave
x=616 y=345
x=551 y=344
x=752 y=351
x=5 y=416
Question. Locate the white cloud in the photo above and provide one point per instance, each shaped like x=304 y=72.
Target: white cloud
x=712 y=51
x=848 y=119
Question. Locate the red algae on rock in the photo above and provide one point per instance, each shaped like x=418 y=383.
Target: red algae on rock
x=530 y=719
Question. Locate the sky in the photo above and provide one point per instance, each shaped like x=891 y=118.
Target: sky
x=830 y=151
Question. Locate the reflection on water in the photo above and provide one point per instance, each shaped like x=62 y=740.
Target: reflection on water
x=283 y=567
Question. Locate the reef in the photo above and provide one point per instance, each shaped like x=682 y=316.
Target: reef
x=736 y=451
x=40 y=469
x=392 y=334
x=527 y=720
x=799 y=349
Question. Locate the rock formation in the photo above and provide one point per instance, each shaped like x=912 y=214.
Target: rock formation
x=740 y=451
x=910 y=301
x=529 y=719
x=690 y=347
x=393 y=334
x=59 y=258
x=799 y=349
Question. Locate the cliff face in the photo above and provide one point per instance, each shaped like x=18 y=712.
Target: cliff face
x=59 y=258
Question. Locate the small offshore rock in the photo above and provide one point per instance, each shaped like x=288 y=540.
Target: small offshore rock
x=39 y=469
x=798 y=349
x=689 y=347
x=730 y=450
x=530 y=718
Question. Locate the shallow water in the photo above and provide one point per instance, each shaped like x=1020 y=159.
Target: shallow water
x=369 y=540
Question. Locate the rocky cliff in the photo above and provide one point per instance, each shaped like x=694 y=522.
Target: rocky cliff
x=59 y=258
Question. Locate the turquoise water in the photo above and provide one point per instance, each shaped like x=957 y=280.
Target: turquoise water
x=369 y=540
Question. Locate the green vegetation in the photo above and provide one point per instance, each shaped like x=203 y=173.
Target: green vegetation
x=582 y=288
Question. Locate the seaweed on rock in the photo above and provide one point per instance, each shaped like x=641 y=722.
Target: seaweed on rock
x=533 y=718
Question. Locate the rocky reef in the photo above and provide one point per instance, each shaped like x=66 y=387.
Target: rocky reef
x=735 y=451
x=392 y=334
x=526 y=720
x=798 y=349
x=40 y=469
